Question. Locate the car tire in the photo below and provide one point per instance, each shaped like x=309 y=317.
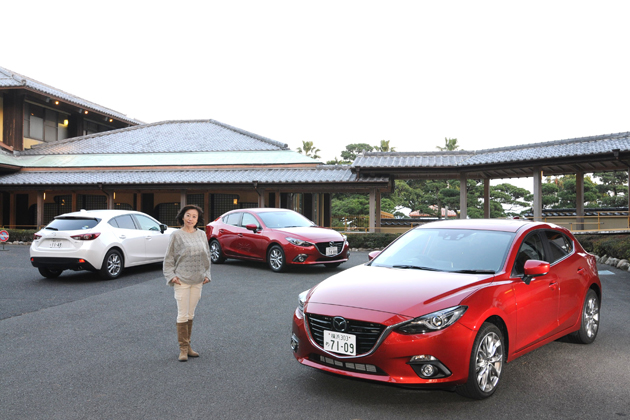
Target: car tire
x=216 y=253
x=486 y=363
x=112 y=265
x=590 y=320
x=49 y=273
x=276 y=259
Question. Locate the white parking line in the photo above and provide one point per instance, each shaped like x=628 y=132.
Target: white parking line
x=605 y=273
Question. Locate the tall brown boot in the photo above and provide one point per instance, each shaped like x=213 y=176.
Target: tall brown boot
x=182 y=337
x=191 y=352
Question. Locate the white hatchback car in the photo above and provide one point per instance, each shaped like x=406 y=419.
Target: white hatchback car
x=106 y=241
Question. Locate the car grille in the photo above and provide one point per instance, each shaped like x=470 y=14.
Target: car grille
x=321 y=246
x=367 y=333
x=343 y=365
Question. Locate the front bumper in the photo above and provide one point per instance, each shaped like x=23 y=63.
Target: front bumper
x=392 y=359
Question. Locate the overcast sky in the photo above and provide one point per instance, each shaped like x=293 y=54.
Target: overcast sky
x=489 y=73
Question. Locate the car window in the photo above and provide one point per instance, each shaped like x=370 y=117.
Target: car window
x=284 y=219
x=233 y=219
x=448 y=250
x=249 y=219
x=147 y=223
x=123 y=222
x=531 y=249
x=74 y=223
x=559 y=245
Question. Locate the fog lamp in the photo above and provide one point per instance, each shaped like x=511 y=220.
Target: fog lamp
x=294 y=342
x=300 y=258
x=428 y=370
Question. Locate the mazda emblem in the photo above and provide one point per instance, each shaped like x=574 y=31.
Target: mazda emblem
x=331 y=243
x=340 y=324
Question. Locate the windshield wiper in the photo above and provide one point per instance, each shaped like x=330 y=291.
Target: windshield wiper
x=474 y=271
x=51 y=228
x=416 y=267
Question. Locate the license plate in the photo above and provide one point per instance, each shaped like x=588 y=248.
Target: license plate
x=340 y=342
x=55 y=244
x=331 y=250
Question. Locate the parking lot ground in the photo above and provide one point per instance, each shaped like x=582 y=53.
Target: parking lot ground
x=103 y=350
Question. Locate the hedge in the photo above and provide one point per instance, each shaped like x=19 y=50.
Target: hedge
x=616 y=246
x=371 y=240
x=17 y=235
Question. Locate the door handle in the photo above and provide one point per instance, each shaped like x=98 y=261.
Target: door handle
x=554 y=285
x=148 y=237
x=123 y=237
x=240 y=235
x=581 y=270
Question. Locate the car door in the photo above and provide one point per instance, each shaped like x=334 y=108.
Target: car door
x=536 y=302
x=228 y=233
x=251 y=245
x=155 y=241
x=568 y=266
x=131 y=239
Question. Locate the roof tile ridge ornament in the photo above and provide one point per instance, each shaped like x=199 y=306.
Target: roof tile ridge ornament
x=249 y=134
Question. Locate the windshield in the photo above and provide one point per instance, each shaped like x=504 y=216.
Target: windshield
x=72 y=224
x=456 y=250
x=284 y=219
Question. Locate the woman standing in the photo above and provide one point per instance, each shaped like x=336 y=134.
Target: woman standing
x=187 y=269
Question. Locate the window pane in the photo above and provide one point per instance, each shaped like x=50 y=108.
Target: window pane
x=147 y=224
x=125 y=222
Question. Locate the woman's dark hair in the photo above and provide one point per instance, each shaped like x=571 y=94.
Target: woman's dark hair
x=182 y=212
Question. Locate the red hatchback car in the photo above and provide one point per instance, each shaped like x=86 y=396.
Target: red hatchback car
x=448 y=303
x=279 y=237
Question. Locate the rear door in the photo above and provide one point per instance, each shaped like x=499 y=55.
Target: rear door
x=228 y=233
x=250 y=244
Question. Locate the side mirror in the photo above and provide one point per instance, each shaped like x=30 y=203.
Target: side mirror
x=252 y=226
x=373 y=255
x=534 y=268
x=163 y=227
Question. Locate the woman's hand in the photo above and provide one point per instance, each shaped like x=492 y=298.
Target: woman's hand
x=175 y=280
x=206 y=280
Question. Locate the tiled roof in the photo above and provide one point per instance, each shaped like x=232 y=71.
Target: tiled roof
x=10 y=79
x=584 y=146
x=322 y=173
x=411 y=159
x=162 y=137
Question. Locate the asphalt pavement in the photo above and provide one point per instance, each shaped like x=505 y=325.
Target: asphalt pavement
x=81 y=348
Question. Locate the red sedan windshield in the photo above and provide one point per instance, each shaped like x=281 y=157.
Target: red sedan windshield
x=284 y=219
x=457 y=250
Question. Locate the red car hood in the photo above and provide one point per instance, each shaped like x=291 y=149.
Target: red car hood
x=407 y=292
x=312 y=234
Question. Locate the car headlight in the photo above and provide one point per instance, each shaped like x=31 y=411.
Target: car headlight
x=345 y=238
x=299 y=242
x=301 y=301
x=433 y=322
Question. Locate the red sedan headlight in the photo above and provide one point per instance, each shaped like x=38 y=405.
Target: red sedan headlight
x=433 y=322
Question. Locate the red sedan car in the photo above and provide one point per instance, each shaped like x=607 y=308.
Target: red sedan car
x=279 y=237
x=448 y=303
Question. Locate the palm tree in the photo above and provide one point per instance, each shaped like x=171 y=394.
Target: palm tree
x=449 y=144
x=309 y=150
x=384 y=147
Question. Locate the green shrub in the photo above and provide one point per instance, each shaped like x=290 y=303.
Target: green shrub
x=371 y=240
x=24 y=235
x=616 y=246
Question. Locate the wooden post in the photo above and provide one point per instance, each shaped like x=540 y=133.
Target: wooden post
x=537 y=210
x=463 y=197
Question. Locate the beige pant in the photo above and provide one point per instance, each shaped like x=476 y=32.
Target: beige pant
x=187 y=297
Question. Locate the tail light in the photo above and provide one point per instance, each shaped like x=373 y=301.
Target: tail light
x=36 y=236
x=86 y=236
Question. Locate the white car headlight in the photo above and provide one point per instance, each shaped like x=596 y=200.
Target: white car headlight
x=433 y=322
x=299 y=242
